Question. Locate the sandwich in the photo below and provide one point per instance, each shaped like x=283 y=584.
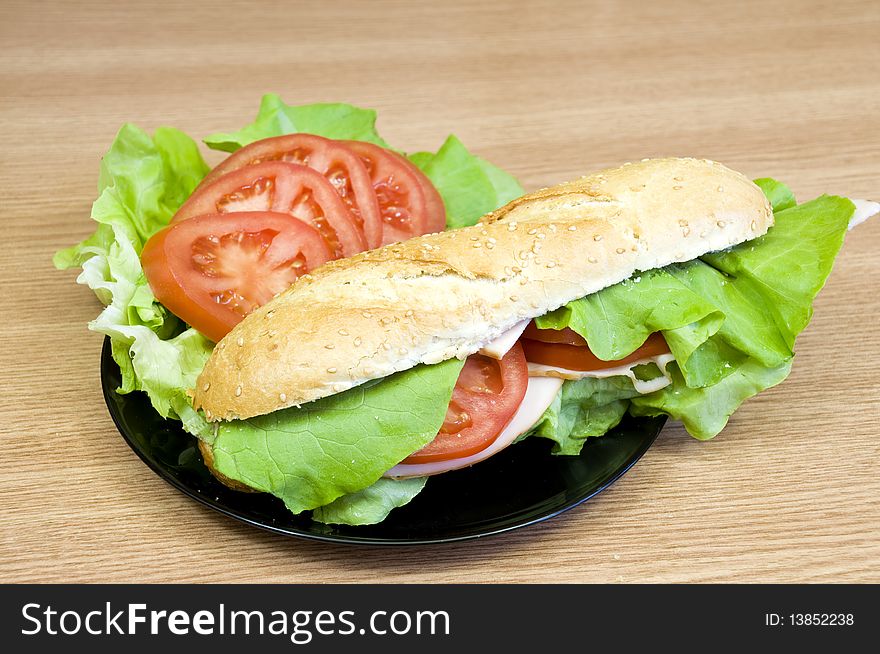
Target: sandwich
x=337 y=323
x=667 y=286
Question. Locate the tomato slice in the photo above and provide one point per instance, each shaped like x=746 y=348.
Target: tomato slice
x=403 y=203
x=436 y=210
x=284 y=188
x=579 y=357
x=213 y=270
x=342 y=167
x=487 y=394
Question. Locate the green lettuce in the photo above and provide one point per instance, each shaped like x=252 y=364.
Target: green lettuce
x=372 y=504
x=312 y=455
x=142 y=182
x=730 y=318
x=470 y=186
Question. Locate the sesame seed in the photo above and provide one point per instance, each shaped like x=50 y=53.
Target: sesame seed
x=357 y=341
x=550 y=264
x=597 y=237
x=532 y=232
x=475 y=238
x=523 y=281
x=592 y=260
x=331 y=370
x=678 y=179
x=270 y=313
x=385 y=321
x=329 y=346
x=240 y=341
x=720 y=223
x=209 y=415
x=511 y=227
x=490 y=246
x=386 y=346
x=552 y=229
x=686 y=231
x=683 y=223
x=478 y=245
x=491 y=240
x=409 y=313
x=754 y=225
x=237 y=391
x=572 y=228
x=703 y=234
x=206 y=386
x=402 y=350
x=367 y=314
x=620 y=250
x=516 y=269
x=343 y=332
x=541 y=236
x=513 y=298
x=282 y=397
x=272 y=333
x=677 y=188
x=720 y=189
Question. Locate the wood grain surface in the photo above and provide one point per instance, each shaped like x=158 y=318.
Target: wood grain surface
x=547 y=90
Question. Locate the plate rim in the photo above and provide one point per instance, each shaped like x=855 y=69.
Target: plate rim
x=294 y=532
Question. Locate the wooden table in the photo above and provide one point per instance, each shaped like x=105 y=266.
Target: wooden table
x=788 y=492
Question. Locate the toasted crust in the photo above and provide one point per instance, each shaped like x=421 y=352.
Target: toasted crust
x=443 y=295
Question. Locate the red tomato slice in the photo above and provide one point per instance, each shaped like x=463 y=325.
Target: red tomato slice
x=486 y=396
x=213 y=270
x=342 y=167
x=579 y=357
x=403 y=203
x=283 y=188
x=436 y=209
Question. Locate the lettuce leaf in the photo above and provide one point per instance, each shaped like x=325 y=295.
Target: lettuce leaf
x=312 y=455
x=372 y=504
x=705 y=411
x=470 y=186
x=143 y=180
x=330 y=120
x=731 y=318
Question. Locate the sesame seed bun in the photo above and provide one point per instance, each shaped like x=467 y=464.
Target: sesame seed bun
x=443 y=295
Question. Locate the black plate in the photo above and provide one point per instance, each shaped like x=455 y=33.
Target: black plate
x=519 y=486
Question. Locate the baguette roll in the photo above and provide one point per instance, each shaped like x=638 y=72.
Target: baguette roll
x=444 y=295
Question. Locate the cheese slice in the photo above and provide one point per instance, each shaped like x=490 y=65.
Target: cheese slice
x=540 y=394
x=864 y=209
x=500 y=346
x=642 y=386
